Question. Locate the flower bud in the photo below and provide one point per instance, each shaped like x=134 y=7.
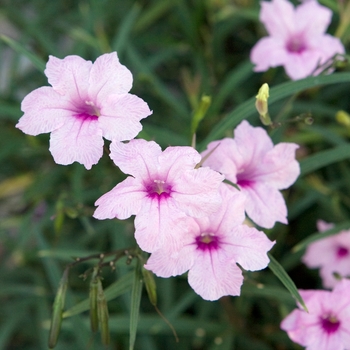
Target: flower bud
x=262 y=105
x=150 y=284
x=343 y=118
x=93 y=301
x=57 y=310
x=102 y=312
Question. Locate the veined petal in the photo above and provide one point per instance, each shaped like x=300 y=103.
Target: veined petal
x=121 y=115
x=78 y=140
x=279 y=167
x=138 y=157
x=221 y=157
x=313 y=19
x=157 y=224
x=181 y=158
x=212 y=277
x=108 y=76
x=122 y=201
x=197 y=192
x=265 y=205
x=278 y=17
x=44 y=111
x=248 y=247
x=166 y=262
x=69 y=76
x=268 y=52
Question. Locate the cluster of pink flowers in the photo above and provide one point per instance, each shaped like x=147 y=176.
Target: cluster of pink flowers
x=185 y=216
x=297 y=38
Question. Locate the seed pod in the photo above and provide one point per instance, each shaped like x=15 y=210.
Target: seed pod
x=57 y=310
x=150 y=284
x=93 y=301
x=102 y=311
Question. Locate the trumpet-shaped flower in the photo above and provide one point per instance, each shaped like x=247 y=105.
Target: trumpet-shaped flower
x=87 y=101
x=259 y=168
x=297 y=38
x=164 y=189
x=327 y=324
x=330 y=254
x=210 y=248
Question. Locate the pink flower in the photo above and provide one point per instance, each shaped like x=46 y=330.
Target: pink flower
x=210 y=249
x=327 y=324
x=297 y=38
x=87 y=101
x=330 y=254
x=259 y=168
x=163 y=190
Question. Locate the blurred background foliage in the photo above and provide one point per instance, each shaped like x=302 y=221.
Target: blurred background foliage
x=178 y=51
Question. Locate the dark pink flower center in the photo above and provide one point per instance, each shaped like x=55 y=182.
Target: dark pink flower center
x=296 y=45
x=158 y=189
x=88 y=111
x=207 y=241
x=342 y=252
x=244 y=183
x=330 y=324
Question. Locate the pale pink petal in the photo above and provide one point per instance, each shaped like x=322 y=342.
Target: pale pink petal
x=248 y=247
x=232 y=210
x=279 y=167
x=69 y=76
x=318 y=252
x=137 y=157
x=197 y=192
x=78 y=140
x=121 y=115
x=265 y=205
x=313 y=19
x=221 y=158
x=44 y=111
x=324 y=226
x=268 y=52
x=278 y=17
x=326 y=46
x=157 y=224
x=122 y=201
x=108 y=76
x=181 y=158
x=166 y=263
x=252 y=144
x=211 y=277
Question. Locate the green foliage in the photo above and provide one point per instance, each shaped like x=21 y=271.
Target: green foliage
x=180 y=52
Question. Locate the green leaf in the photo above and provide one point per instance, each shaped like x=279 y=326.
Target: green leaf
x=320 y=235
x=282 y=275
x=135 y=304
x=117 y=288
x=324 y=158
x=247 y=109
x=37 y=61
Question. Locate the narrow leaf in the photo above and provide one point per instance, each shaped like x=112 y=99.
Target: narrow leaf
x=282 y=275
x=37 y=61
x=135 y=304
x=324 y=158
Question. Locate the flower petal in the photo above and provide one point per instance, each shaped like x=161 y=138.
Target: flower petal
x=138 y=158
x=122 y=201
x=121 y=115
x=265 y=205
x=212 y=277
x=69 y=76
x=78 y=140
x=108 y=76
x=44 y=111
x=248 y=247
